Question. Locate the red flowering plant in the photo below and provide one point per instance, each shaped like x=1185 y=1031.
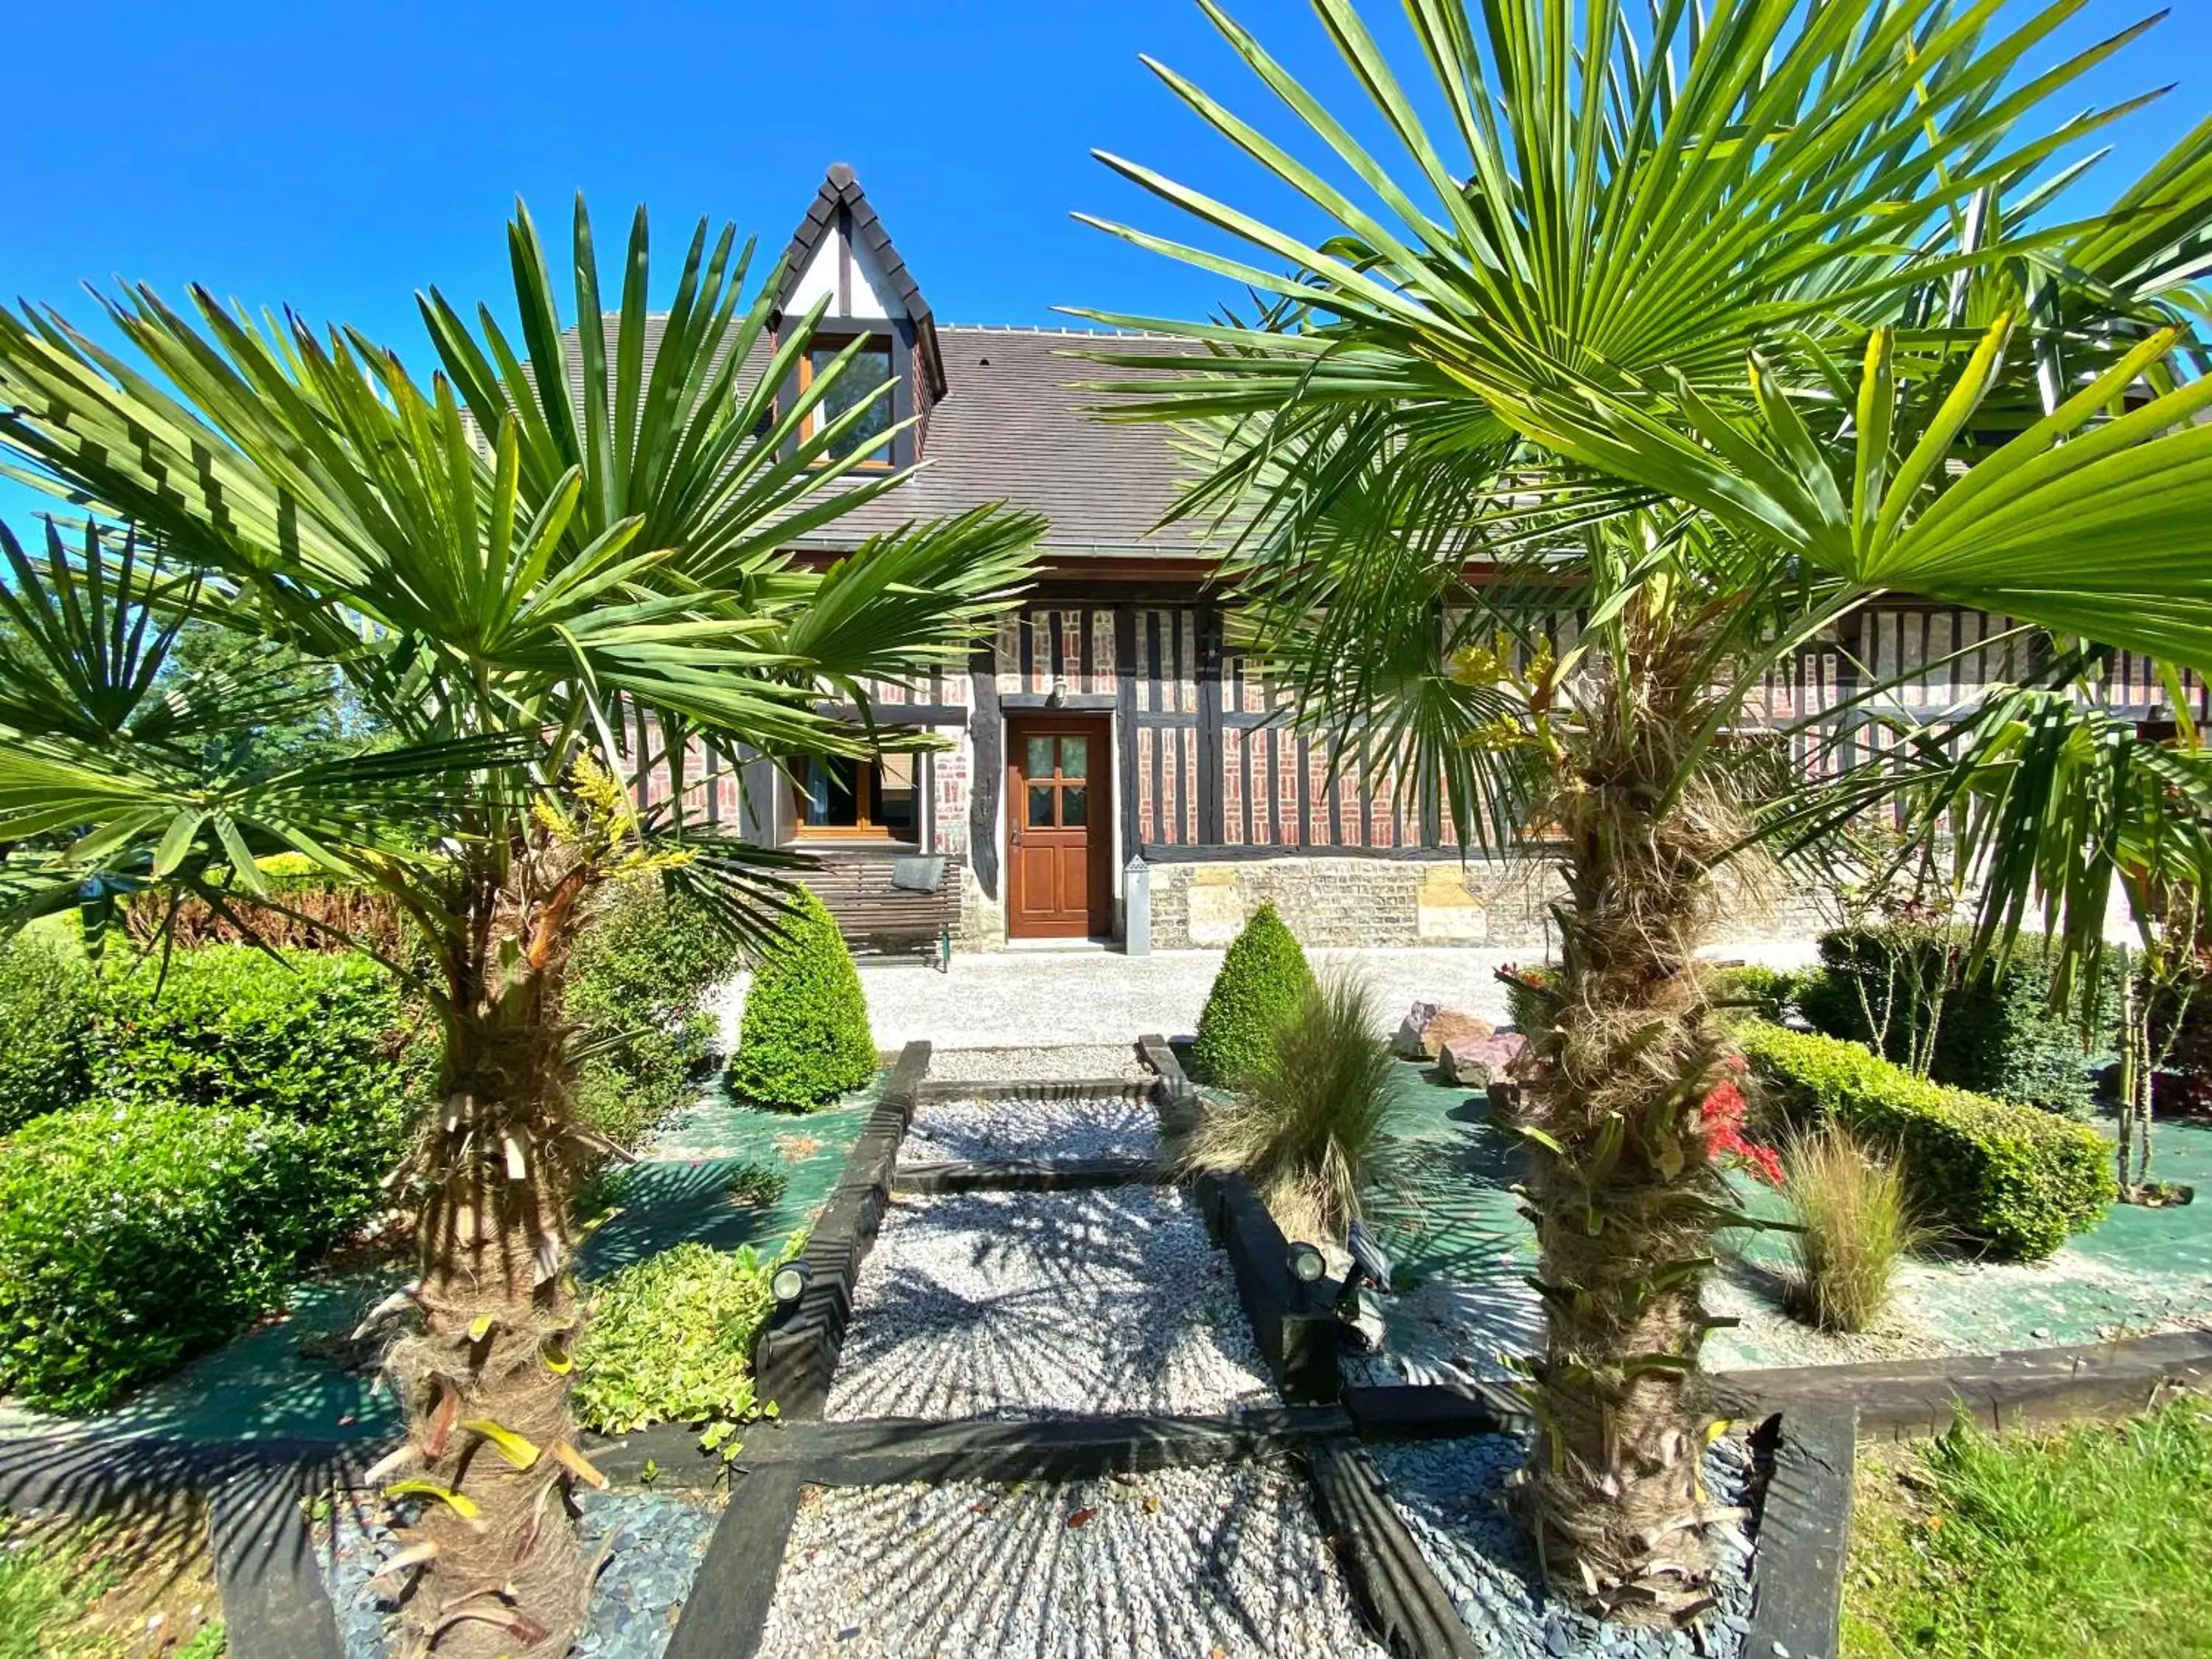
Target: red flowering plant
x=1722 y=1115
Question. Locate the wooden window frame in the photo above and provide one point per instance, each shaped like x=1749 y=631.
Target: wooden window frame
x=865 y=828
x=885 y=462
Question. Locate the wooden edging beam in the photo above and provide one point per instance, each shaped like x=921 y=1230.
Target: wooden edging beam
x=1903 y=1399
x=1080 y=1088
x=797 y=1352
x=1042 y=1174
x=1802 y=1533
x=1397 y=1590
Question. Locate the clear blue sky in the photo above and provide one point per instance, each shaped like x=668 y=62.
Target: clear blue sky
x=336 y=158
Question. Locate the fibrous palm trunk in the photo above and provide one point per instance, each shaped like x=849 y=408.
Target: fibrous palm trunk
x=485 y=1382
x=1625 y=1195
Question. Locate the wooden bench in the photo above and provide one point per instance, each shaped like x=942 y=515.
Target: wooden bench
x=876 y=914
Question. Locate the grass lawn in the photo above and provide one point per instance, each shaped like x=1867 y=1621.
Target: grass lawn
x=104 y=1592
x=2094 y=1542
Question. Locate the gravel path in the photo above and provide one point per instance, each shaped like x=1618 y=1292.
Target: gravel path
x=658 y=1541
x=994 y=1129
x=1007 y=999
x=1451 y=1494
x=1045 y=1304
x=1066 y=1061
x=1184 y=1563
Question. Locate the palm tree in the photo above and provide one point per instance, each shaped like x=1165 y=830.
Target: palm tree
x=1711 y=324
x=546 y=547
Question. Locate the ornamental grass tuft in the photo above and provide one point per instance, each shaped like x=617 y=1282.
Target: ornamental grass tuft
x=1311 y=1117
x=1858 y=1224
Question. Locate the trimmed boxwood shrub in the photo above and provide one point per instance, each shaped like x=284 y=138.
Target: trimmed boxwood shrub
x=1263 y=981
x=318 y=1038
x=2013 y=1178
x=136 y=1236
x=1997 y=1033
x=805 y=1039
x=47 y=1005
x=640 y=975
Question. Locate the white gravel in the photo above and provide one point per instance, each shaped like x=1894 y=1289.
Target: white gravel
x=1183 y=1564
x=1045 y=1304
x=1060 y=1064
x=995 y=1130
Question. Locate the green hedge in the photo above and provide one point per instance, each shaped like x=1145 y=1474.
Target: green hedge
x=133 y=1237
x=318 y=1038
x=640 y=974
x=805 y=1039
x=47 y=1005
x=1263 y=981
x=2013 y=1178
x=1997 y=1034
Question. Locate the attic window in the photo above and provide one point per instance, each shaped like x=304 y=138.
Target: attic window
x=870 y=369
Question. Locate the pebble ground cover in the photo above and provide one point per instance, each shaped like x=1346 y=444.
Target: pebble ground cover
x=1451 y=1494
x=1040 y=1304
x=1183 y=1563
x=654 y=1541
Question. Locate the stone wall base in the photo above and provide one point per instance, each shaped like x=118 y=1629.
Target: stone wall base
x=1337 y=903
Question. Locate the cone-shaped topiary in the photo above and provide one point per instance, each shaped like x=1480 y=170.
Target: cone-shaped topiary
x=805 y=1040
x=1262 y=982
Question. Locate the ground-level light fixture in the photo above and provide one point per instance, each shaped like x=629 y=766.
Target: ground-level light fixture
x=1306 y=1264
x=789 y=1282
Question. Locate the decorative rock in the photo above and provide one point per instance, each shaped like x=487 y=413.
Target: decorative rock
x=1430 y=1025
x=1479 y=1062
x=1407 y=1045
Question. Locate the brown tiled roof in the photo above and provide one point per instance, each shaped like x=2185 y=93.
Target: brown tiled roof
x=1013 y=427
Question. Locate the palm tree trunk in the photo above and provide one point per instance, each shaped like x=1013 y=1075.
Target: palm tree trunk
x=1624 y=1191
x=486 y=1382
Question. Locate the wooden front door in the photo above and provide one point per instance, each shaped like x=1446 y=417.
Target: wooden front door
x=1059 y=832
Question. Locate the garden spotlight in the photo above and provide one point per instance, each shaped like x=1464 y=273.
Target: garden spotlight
x=790 y=1281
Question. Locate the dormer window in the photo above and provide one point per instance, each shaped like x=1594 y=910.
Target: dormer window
x=859 y=381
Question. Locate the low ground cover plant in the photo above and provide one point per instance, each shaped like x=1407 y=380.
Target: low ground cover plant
x=1263 y=980
x=1856 y=1225
x=2013 y=1180
x=1309 y=1121
x=671 y=1340
x=804 y=1038
x=1904 y=990
x=2079 y=1545
x=133 y=1237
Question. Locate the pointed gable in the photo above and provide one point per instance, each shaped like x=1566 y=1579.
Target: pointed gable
x=841 y=252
